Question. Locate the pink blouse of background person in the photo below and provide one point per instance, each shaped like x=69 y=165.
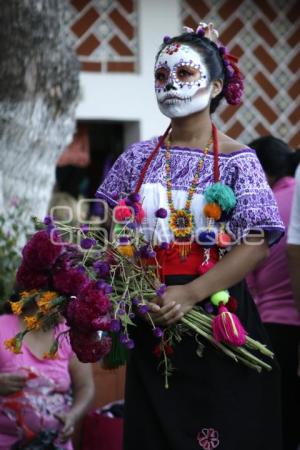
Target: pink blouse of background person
x=54 y=375
x=270 y=283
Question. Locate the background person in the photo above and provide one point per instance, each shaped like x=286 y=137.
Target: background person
x=50 y=404
x=270 y=284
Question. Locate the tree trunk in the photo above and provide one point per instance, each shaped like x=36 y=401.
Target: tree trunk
x=39 y=87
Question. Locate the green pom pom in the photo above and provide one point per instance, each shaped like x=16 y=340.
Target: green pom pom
x=118 y=229
x=220 y=297
x=222 y=194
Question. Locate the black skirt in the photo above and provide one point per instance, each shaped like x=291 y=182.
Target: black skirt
x=212 y=402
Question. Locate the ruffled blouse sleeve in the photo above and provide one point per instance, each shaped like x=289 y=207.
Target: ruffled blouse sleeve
x=256 y=208
x=119 y=179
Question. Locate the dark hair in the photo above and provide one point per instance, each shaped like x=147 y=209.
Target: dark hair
x=212 y=56
x=276 y=157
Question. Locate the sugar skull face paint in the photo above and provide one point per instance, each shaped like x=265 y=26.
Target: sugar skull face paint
x=182 y=84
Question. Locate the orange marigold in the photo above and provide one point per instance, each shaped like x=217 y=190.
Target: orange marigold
x=26 y=294
x=31 y=322
x=44 y=301
x=13 y=344
x=49 y=355
x=16 y=307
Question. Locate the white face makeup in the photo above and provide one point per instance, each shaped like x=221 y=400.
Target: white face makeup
x=181 y=81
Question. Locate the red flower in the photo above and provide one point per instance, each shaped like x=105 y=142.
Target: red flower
x=30 y=279
x=95 y=297
x=89 y=347
x=85 y=317
x=69 y=281
x=157 y=351
x=42 y=250
x=169 y=349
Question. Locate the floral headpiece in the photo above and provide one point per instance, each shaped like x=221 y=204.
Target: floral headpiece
x=233 y=86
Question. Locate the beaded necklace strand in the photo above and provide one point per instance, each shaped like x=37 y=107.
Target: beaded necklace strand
x=181 y=221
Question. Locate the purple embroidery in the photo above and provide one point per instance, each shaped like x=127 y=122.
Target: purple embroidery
x=256 y=206
x=208 y=438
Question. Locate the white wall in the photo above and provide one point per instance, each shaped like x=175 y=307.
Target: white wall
x=131 y=97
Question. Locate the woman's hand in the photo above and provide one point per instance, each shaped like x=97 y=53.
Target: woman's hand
x=68 y=420
x=10 y=383
x=174 y=304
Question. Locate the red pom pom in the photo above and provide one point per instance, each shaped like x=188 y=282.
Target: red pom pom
x=122 y=212
x=224 y=240
x=232 y=304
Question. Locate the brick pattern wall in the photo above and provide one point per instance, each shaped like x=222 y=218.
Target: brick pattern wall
x=104 y=34
x=265 y=34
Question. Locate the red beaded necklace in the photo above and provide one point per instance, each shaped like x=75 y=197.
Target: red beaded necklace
x=181 y=221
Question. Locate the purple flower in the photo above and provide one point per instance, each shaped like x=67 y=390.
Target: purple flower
x=115 y=325
x=123 y=338
x=87 y=243
x=81 y=268
x=124 y=240
x=49 y=228
x=143 y=309
x=48 y=220
x=209 y=308
x=131 y=225
x=130 y=344
x=85 y=228
x=161 y=213
x=102 y=268
x=164 y=245
x=161 y=290
x=152 y=254
x=108 y=289
x=136 y=301
x=131 y=315
x=158 y=332
x=134 y=197
x=201 y=32
x=121 y=312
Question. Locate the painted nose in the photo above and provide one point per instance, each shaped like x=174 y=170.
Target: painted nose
x=170 y=86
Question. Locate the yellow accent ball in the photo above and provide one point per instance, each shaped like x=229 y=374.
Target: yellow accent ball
x=220 y=297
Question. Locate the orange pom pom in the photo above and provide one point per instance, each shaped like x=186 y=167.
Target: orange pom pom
x=126 y=250
x=212 y=210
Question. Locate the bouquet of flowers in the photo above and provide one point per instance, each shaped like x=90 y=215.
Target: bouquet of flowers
x=99 y=285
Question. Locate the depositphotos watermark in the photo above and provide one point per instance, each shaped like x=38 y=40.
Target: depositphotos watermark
x=102 y=216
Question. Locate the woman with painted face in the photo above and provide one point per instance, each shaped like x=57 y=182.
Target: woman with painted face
x=207 y=243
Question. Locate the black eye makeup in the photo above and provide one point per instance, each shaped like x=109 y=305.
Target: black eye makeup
x=161 y=76
x=187 y=73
